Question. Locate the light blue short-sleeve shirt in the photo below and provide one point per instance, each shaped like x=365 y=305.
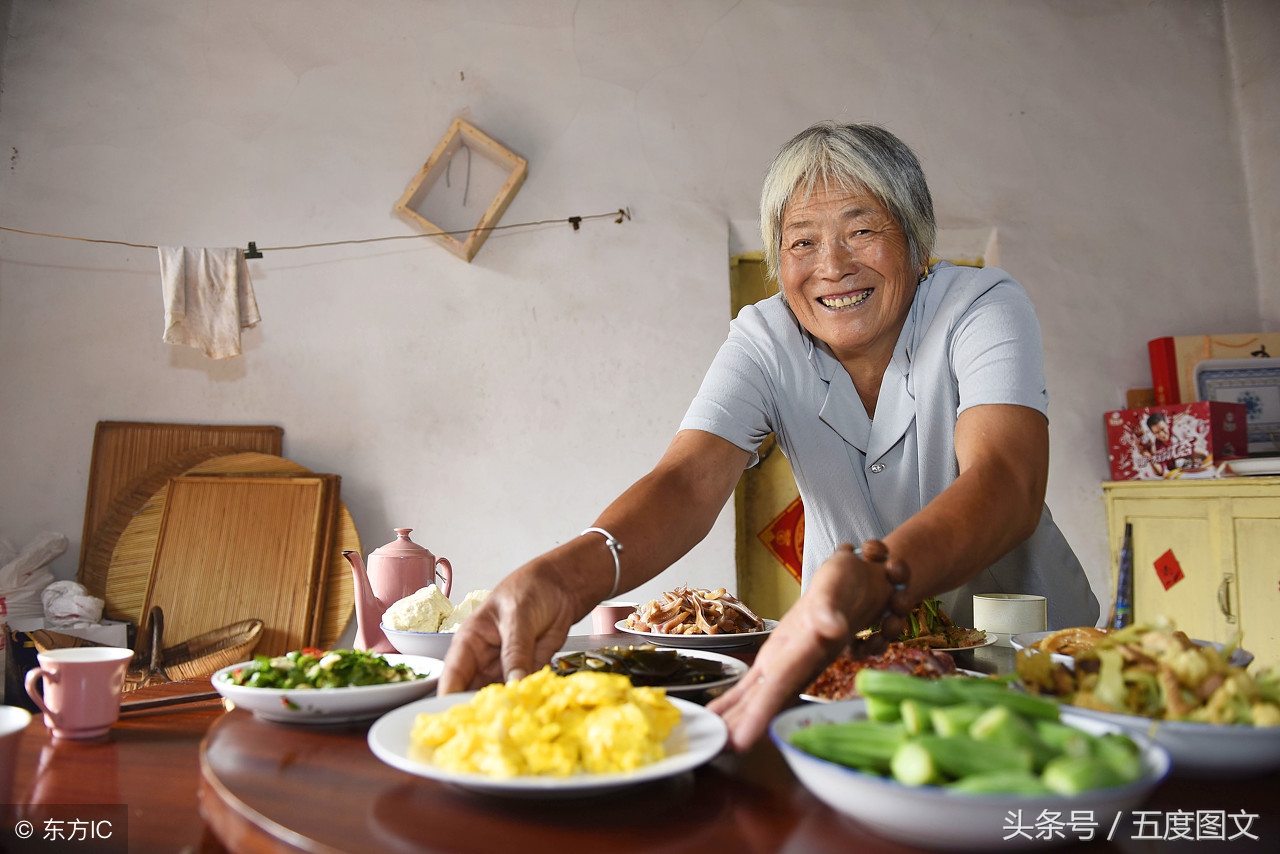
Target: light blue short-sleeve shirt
x=971 y=338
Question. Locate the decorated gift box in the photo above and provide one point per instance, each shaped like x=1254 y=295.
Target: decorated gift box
x=1179 y=440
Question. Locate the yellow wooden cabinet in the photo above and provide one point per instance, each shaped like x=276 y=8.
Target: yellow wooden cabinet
x=1223 y=535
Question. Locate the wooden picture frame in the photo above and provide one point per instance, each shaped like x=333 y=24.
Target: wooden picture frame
x=436 y=210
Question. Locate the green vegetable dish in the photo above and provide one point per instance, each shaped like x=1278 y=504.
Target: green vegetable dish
x=314 y=668
x=970 y=735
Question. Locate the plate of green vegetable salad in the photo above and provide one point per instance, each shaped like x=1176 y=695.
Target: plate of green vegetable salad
x=963 y=764
x=312 y=686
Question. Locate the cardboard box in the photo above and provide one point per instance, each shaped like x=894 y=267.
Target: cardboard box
x=1182 y=440
x=1174 y=359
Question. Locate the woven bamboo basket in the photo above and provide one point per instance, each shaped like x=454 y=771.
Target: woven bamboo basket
x=200 y=656
x=207 y=653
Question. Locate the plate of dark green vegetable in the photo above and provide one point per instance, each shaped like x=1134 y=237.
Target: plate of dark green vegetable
x=965 y=764
x=312 y=686
x=681 y=672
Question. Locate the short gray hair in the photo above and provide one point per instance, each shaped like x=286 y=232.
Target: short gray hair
x=856 y=156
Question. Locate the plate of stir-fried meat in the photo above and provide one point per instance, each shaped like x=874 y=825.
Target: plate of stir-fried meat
x=836 y=681
x=696 y=617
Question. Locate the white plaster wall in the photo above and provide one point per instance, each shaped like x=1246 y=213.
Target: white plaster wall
x=1253 y=39
x=497 y=406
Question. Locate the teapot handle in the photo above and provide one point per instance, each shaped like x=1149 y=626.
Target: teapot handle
x=444 y=571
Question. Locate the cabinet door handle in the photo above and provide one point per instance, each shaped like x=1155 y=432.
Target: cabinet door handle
x=1224 y=590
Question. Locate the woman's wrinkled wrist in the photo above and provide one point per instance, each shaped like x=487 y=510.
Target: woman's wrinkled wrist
x=614 y=546
x=875 y=552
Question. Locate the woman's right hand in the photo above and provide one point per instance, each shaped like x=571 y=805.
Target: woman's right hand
x=515 y=630
x=526 y=618
x=850 y=591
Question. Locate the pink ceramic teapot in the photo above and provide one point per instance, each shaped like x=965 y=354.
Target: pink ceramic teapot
x=395 y=570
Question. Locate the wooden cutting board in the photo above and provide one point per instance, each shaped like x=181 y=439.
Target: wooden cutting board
x=129 y=574
x=239 y=548
x=96 y=552
x=125 y=450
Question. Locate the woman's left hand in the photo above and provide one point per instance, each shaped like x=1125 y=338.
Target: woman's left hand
x=848 y=593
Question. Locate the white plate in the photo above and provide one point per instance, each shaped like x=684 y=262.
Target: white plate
x=733 y=670
x=330 y=705
x=991 y=638
x=724 y=641
x=1255 y=466
x=935 y=817
x=1253 y=382
x=1027 y=640
x=695 y=740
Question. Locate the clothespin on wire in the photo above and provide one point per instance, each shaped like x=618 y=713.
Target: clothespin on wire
x=623 y=214
x=252 y=251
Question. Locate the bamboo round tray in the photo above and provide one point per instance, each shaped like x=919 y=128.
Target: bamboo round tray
x=129 y=572
x=126 y=504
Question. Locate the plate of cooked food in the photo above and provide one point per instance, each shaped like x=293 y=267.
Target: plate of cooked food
x=311 y=686
x=929 y=627
x=697 y=618
x=1215 y=717
x=836 y=681
x=563 y=736
x=1066 y=644
x=949 y=763
x=679 y=672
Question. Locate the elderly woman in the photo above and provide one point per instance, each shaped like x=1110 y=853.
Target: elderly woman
x=909 y=401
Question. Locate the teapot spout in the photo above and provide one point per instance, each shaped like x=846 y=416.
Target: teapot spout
x=369 y=609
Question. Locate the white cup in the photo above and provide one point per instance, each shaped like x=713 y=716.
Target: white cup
x=13 y=721
x=1008 y=614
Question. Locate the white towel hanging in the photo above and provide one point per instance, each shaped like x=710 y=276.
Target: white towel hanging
x=208 y=299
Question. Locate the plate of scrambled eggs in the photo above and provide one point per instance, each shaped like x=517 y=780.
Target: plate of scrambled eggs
x=549 y=736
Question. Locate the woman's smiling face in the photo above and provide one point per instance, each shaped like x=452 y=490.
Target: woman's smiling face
x=846 y=272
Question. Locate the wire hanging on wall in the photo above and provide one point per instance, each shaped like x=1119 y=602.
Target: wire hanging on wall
x=254 y=251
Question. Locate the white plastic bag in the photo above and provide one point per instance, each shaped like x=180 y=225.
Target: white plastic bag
x=68 y=605
x=23 y=578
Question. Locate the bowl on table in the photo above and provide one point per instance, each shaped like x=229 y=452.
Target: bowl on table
x=937 y=818
x=430 y=644
x=1202 y=750
x=1028 y=640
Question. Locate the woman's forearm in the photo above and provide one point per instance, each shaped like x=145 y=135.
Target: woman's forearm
x=994 y=504
x=657 y=520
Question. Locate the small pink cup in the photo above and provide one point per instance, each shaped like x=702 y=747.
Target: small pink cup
x=82 y=687
x=608 y=613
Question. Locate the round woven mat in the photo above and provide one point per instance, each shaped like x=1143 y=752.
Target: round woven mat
x=128 y=573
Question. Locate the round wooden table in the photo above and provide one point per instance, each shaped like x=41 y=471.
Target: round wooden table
x=268 y=787
x=195 y=778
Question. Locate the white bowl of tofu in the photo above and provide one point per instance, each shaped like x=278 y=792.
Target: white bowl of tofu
x=424 y=622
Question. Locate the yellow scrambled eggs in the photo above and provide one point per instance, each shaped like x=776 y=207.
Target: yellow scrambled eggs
x=551 y=725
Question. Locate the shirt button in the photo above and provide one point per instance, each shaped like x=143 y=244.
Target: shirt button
x=877 y=467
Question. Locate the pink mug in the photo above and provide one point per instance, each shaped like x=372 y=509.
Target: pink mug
x=608 y=613
x=82 y=687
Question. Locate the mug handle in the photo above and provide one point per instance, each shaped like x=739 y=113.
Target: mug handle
x=33 y=676
x=445 y=575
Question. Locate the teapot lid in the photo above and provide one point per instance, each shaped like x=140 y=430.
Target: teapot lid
x=402 y=546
